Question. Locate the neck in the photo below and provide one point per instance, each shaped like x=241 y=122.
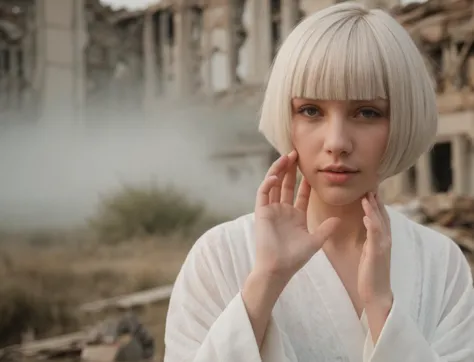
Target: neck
x=350 y=234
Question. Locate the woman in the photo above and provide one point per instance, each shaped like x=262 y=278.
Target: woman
x=330 y=274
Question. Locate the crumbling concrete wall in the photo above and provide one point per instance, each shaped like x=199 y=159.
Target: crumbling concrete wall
x=17 y=54
x=172 y=49
x=443 y=31
x=61 y=36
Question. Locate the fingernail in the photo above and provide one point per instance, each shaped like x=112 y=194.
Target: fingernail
x=366 y=221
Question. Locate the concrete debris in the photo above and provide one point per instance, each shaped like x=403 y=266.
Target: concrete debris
x=117 y=339
x=57 y=347
x=127 y=302
x=450 y=214
x=10 y=355
x=124 y=339
x=13 y=20
x=12 y=31
x=444 y=32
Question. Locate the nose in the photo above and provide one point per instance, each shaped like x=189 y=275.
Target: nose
x=337 y=138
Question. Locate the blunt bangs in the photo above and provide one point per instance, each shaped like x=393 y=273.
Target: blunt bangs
x=344 y=63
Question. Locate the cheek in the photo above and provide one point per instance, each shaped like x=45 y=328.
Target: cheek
x=307 y=147
x=382 y=138
x=374 y=143
x=295 y=132
x=303 y=136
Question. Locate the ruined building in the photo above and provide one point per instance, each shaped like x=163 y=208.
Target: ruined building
x=444 y=32
x=84 y=58
x=173 y=48
x=62 y=57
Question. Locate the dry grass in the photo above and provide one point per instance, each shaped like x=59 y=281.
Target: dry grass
x=137 y=240
x=43 y=285
x=144 y=211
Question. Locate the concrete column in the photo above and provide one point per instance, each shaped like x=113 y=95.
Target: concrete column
x=182 y=50
x=260 y=39
x=424 y=179
x=60 y=64
x=207 y=50
x=80 y=37
x=289 y=17
x=149 y=63
x=40 y=37
x=460 y=164
x=232 y=51
x=29 y=56
x=400 y=184
x=165 y=53
x=13 y=77
x=194 y=28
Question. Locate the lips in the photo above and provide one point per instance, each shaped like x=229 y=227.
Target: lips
x=339 y=171
x=338 y=174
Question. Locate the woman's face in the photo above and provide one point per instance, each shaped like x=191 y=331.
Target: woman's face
x=340 y=145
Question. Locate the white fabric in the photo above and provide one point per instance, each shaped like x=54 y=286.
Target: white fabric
x=432 y=318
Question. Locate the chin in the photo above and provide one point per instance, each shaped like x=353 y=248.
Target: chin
x=340 y=195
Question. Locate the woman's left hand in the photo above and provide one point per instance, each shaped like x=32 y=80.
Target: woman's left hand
x=374 y=268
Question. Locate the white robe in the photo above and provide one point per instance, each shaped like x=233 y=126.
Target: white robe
x=431 y=320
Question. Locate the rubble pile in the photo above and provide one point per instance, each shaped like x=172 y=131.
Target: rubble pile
x=449 y=214
x=124 y=339
x=434 y=21
x=444 y=32
x=115 y=339
x=13 y=20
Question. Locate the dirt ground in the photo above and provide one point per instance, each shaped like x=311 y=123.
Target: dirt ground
x=58 y=274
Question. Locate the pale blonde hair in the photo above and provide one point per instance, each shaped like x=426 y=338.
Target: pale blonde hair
x=347 y=51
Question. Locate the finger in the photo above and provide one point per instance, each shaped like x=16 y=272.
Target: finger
x=302 y=197
x=380 y=216
x=375 y=243
x=325 y=230
x=364 y=251
x=263 y=193
x=371 y=222
x=275 y=193
x=289 y=181
x=384 y=213
x=276 y=189
x=370 y=231
x=377 y=212
x=278 y=166
x=376 y=208
x=387 y=239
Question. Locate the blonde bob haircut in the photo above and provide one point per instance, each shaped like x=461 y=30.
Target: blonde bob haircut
x=349 y=52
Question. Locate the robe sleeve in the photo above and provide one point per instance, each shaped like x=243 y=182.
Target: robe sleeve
x=453 y=340
x=207 y=319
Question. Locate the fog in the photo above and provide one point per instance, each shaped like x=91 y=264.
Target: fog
x=54 y=173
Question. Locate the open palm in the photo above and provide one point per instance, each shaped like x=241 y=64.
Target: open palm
x=284 y=244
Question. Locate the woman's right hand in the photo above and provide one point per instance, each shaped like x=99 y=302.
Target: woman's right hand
x=284 y=243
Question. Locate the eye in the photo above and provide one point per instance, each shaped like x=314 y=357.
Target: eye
x=369 y=113
x=309 y=111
